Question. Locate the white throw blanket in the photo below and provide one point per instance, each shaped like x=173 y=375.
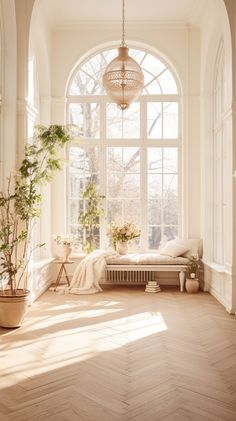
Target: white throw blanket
x=89 y=273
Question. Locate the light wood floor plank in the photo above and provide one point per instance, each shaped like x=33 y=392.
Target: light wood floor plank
x=122 y=355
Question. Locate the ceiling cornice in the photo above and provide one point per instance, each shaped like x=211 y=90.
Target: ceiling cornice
x=153 y=24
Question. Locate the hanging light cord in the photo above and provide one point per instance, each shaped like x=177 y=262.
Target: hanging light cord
x=123 y=24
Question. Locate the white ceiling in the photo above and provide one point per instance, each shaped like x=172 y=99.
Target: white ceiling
x=61 y=12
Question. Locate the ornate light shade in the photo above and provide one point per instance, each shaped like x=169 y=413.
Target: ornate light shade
x=123 y=78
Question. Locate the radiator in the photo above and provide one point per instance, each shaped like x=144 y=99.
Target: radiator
x=129 y=276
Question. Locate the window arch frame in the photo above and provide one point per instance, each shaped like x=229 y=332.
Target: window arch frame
x=143 y=141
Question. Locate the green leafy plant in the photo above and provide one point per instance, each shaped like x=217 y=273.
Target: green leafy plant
x=20 y=203
x=193 y=265
x=90 y=217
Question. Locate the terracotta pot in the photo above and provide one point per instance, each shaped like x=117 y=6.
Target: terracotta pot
x=123 y=247
x=192 y=285
x=13 y=308
x=67 y=249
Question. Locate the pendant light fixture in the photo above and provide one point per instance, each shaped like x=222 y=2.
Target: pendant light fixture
x=123 y=78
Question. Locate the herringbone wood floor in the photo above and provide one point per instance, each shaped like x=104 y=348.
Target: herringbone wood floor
x=119 y=356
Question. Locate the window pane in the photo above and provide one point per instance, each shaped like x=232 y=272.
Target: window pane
x=83 y=166
x=74 y=212
x=114 y=159
x=131 y=159
x=87 y=80
x=132 y=211
x=167 y=82
x=148 y=78
x=154 y=120
x=83 y=160
x=114 y=210
x=170 y=186
x=154 y=237
x=170 y=209
x=170 y=233
x=123 y=159
x=170 y=120
x=115 y=185
x=154 y=212
x=153 y=87
x=170 y=160
x=76 y=185
x=155 y=160
x=162 y=195
x=137 y=55
x=86 y=117
x=123 y=125
x=123 y=183
x=155 y=186
x=131 y=185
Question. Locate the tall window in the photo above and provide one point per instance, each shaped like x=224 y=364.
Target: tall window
x=220 y=109
x=133 y=156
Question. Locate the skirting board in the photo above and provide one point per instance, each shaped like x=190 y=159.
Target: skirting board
x=209 y=288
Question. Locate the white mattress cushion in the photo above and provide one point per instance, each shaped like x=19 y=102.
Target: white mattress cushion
x=145 y=259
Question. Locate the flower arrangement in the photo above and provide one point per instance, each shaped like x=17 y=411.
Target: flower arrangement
x=123 y=231
x=65 y=240
x=193 y=266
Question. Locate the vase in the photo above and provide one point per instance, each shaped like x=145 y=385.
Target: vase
x=192 y=285
x=67 y=249
x=123 y=247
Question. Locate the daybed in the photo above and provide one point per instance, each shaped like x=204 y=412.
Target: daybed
x=139 y=268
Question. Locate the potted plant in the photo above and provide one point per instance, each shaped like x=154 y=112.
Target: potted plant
x=90 y=217
x=121 y=233
x=19 y=208
x=192 y=283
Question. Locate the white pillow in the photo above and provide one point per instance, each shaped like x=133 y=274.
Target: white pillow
x=173 y=249
x=194 y=246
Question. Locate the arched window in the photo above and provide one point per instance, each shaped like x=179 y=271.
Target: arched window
x=219 y=133
x=133 y=155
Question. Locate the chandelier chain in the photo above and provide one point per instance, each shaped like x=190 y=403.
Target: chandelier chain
x=123 y=78
x=123 y=23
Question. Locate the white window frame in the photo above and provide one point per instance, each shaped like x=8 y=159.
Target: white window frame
x=143 y=143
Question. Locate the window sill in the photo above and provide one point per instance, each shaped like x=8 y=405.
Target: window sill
x=217 y=267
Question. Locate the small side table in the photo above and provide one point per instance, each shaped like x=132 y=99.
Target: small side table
x=62 y=269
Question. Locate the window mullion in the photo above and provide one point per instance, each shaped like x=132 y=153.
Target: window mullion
x=144 y=197
x=162 y=196
x=103 y=171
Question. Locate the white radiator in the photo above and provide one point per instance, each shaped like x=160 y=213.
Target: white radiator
x=129 y=276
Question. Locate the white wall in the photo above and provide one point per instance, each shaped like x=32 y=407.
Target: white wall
x=8 y=89
x=218 y=277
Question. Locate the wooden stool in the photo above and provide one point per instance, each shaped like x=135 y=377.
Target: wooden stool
x=61 y=270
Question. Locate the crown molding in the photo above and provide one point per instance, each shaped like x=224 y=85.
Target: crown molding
x=91 y=24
